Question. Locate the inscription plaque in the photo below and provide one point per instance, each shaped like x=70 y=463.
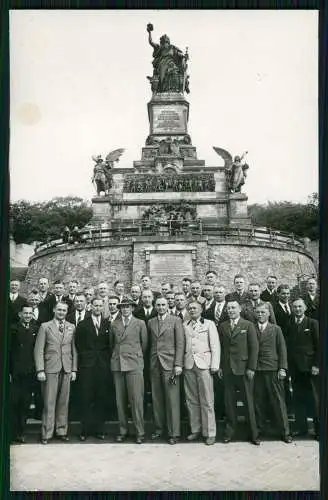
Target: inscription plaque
x=171 y=266
x=170 y=118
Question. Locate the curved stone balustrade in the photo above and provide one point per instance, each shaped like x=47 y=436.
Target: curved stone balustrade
x=140 y=230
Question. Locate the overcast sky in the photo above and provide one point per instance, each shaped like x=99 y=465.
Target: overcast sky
x=79 y=87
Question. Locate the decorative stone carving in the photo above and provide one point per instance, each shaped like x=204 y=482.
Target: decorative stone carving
x=141 y=183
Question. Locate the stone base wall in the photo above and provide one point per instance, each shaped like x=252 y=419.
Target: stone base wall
x=127 y=260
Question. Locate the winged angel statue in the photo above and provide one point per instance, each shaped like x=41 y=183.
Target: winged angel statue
x=102 y=177
x=236 y=170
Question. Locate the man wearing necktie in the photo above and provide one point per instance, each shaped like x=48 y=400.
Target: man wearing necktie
x=201 y=362
x=167 y=341
x=95 y=383
x=303 y=361
x=170 y=296
x=239 y=355
x=79 y=312
x=22 y=371
x=56 y=365
x=270 y=374
x=254 y=300
x=239 y=294
x=311 y=299
x=128 y=340
x=270 y=292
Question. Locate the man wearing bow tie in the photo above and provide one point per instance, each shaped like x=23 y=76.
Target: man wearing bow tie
x=270 y=373
x=22 y=371
x=239 y=355
x=167 y=341
x=303 y=361
x=56 y=365
x=92 y=344
x=128 y=339
x=201 y=362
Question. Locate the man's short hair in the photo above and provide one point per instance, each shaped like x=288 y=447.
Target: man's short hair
x=160 y=297
x=254 y=283
x=167 y=283
x=211 y=272
x=283 y=287
x=23 y=307
x=238 y=276
x=79 y=294
x=180 y=293
x=145 y=276
x=187 y=279
x=299 y=298
x=170 y=292
x=195 y=281
x=43 y=278
x=263 y=304
x=73 y=281
x=58 y=282
x=117 y=282
x=61 y=304
x=97 y=298
x=272 y=276
x=111 y=297
x=195 y=302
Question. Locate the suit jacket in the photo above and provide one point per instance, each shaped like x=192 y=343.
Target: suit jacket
x=272 y=349
x=72 y=317
x=269 y=297
x=14 y=307
x=303 y=345
x=93 y=350
x=239 y=347
x=43 y=316
x=46 y=307
x=128 y=344
x=235 y=296
x=248 y=312
x=21 y=359
x=70 y=302
x=186 y=316
x=202 y=345
x=312 y=310
x=209 y=313
x=55 y=351
x=139 y=313
x=167 y=341
x=282 y=318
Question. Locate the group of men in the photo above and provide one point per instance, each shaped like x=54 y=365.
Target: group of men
x=196 y=347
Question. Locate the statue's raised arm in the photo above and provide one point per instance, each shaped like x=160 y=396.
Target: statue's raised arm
x=150 y=28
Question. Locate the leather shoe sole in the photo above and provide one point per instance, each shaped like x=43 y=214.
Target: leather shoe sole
x=257 y=442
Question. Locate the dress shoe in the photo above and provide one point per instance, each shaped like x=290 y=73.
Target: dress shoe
x=120 y=438
x=63 y=438
x=140 y=439
x=256 y=441
x=44 y=441
x=173 y=440
x=82 y=437
x=287 y=439
x=209 y=441
x=100 y=436
x=156 y=435
x=194 y=436
x=227 y=439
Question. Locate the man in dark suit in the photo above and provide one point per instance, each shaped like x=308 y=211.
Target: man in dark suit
x=16 y=302
x=135 y=293
x=39 y=314
x=239 y=355
x=146 y=285
x=239 y=294
x=22 y=371
x=186 y=283
x=250 y=304
x=167 y=341
x=119 y=289
x=70 y=297
x=58 y=295
x=92 y=345
x=211 y=278
x=213 y=310
x=270 y=292
x=128 y=339
x=45 y=308
x=270 y=373
x=80 y=312
x=303 y=360
x=283 y=315
x=56 y=365
x=221 y=311
x=311 y=299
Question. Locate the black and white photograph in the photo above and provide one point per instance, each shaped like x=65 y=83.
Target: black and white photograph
x=163 y=311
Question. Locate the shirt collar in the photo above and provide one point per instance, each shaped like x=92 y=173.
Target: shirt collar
x=161 y=318
x=262 y=326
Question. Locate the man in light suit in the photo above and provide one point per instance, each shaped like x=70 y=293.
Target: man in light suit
x=166 y=336
x=270 y=373
x=304 y=360
x=56 y=365
x=92 y=344
x=201 y=362
x=128 y=339
x=239 y=355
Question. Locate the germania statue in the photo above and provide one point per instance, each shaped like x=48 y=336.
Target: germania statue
x=170 y=66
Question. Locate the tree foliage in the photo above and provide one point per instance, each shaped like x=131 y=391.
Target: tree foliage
x=300 y=219
x=46 y=220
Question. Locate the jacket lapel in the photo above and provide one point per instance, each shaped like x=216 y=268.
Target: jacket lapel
x=55 y=330
x=162 y=324
x=236 y=330
x=122 y=330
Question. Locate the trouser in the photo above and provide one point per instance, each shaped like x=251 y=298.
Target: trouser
x=246 y=388
x=21 y=394
x=218 y=386
x=129 y=388
x=94 y=393
x=55 y=391
x=198 y=386
x=166 y=400
x=267 y=387
x=37 y=399
x=306 y=389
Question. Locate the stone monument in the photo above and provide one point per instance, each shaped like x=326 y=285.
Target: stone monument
x=168 y=214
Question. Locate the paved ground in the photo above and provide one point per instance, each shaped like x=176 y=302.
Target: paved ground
x=109 y=466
